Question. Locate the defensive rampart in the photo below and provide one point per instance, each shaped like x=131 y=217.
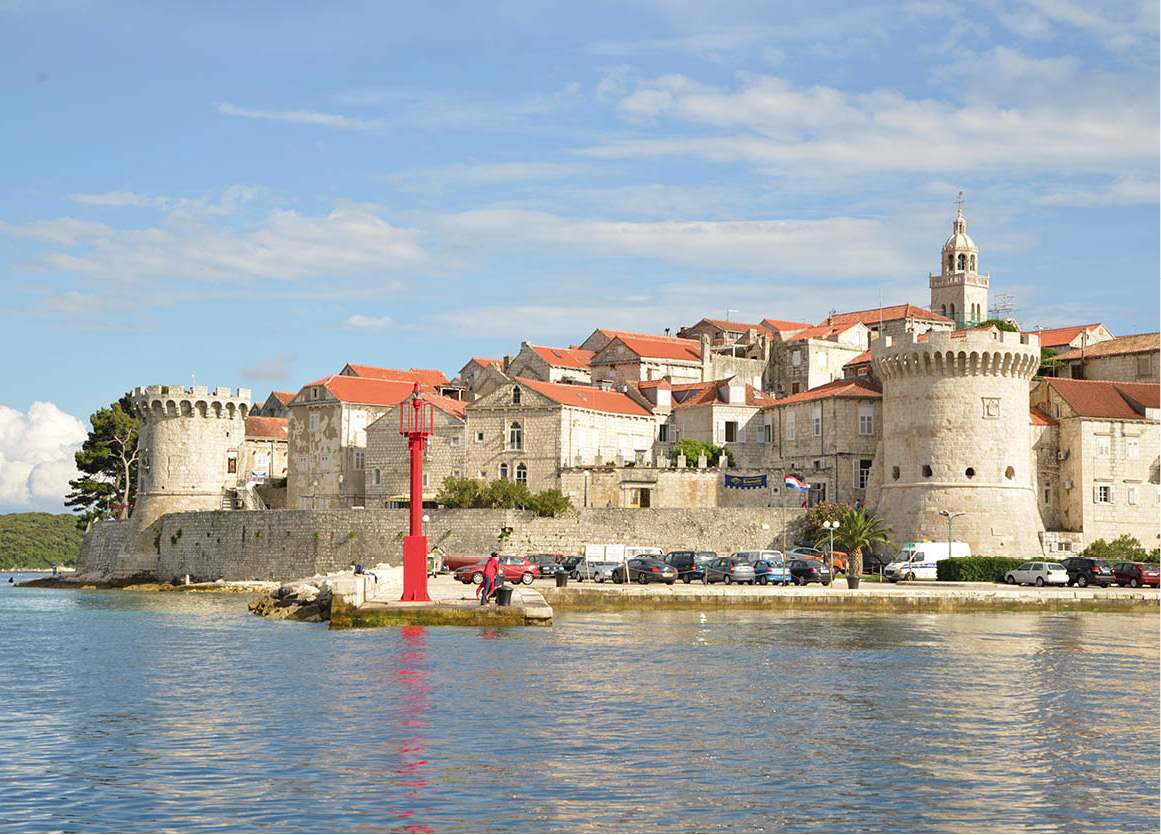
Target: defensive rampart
x=284 y=544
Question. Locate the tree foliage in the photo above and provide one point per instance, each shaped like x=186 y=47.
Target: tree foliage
x=692 y=450
x=1125 y=548
x=822 y=512
x=500 y=494
x=1000 y=324
x=108 y=464
x=859 y=531
x=38 y=540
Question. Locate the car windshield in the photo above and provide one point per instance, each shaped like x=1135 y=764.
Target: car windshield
x=1055 y=566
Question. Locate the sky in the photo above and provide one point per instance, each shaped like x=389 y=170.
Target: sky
x=254 y=194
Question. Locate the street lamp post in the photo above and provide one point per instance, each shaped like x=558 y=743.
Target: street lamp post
x=831 y=527
x=950 y=516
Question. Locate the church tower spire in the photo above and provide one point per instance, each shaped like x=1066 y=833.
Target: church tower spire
x=959 y=291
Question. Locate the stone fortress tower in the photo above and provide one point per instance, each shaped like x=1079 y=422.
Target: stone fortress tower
x=959 y=292
x=190 y=440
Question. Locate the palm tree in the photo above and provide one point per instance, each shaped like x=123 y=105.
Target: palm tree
x=857 y=531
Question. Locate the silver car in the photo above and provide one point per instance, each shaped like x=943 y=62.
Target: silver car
x=729 y=570
x=1038 y=573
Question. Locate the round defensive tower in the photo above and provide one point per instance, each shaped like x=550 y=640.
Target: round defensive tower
x=189 y=445
x=956 y=438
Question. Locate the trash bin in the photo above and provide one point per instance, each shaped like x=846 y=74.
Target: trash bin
x=504 y=596
x=561 y=578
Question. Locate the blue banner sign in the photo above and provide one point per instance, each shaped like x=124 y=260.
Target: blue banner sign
x=745 y=482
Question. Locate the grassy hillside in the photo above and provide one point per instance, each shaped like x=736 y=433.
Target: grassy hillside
x=37 y=540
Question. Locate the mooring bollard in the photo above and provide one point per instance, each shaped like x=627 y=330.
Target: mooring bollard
x=561 y=578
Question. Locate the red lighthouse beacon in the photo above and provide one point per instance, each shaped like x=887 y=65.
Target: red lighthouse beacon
x=416 y=422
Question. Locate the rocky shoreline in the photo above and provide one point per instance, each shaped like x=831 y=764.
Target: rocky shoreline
x=306 y=602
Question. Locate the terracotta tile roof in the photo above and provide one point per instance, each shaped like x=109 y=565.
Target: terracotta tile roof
x=871 y=317
x=737 y=327
x=1054 y=337
x=266 y=427
x=367 y=390
x=687 y=350
x=611 y=334
x=859 y=360
x=782 y=325
x=853 y=387
x=821 y=331
x=1104 y=399
x=486 y=362
x=564 y=357
x=1132 y=344
x=427 y=376
x=699 y=394
x=284 y=397
x=448 y=405
x=587 y=397
x=1040 y=419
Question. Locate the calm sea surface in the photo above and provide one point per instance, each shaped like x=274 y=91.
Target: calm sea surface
x=123 y=711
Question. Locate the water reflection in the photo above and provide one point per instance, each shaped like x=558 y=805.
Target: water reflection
x=157 y=712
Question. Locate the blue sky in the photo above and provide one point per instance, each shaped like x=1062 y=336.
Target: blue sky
x=254 y=194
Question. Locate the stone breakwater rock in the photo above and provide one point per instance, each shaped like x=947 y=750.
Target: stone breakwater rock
x=301 y=600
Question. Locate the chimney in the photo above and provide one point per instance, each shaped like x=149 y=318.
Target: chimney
x=667 y=331
x=605 y=385
x=507 y=362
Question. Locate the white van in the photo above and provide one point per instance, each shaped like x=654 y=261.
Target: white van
x=620 y=553
x=917 y=560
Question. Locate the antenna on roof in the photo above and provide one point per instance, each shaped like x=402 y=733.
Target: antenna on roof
x=959 y=203
x=730 y=310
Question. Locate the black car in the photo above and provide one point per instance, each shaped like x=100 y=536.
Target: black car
x=690 y=565
x=1086 y=570
x=646 y=570
x=571 y=564
x=547 y=563
x=808 y=571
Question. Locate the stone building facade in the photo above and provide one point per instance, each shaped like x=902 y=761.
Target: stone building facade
x=959 y=292
x=1129 y=359
x=265 y=451
x=956 y=438
x=552 y=365
x=814 y=357
x=388 y=463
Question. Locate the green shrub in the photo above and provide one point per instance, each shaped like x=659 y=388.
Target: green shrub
x=1124 y=548
x=692 y=450
x=976 y=569
x=823 y=512
x=550 y=503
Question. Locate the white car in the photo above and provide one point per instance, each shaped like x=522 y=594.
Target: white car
x=1038 y=573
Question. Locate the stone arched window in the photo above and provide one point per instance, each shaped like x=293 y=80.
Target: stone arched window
x=961 y=262
x=515 y=436
x=504 y=472
x=953 y=311
x=516 y=395
x=943 y=309
x=950 y=263
x=521 y=474
x=376 y=476
x=973 y=264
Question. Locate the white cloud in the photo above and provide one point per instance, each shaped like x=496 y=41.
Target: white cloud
x=191 y=242
x=307 y=117
x=362 y=322
x=270 y=368
x=485 y=174
x=1126 y=192
x=787 y=130
x=431 y=109
x=838 y=247
x=115 y=198
x=36 y=455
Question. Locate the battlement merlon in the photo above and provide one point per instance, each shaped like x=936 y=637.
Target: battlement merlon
x=220 y=393
x=988 y=339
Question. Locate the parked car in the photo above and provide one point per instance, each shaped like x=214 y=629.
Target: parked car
x=690 y=565
x=515 y=569
x=874 y=564
x=808 y=571
x=769 y=566
x=570 y=564
x=804 y=552
x=836 y=559
x=729 y=570
x=1086 y=570
x=1136 y=574
x=547 y=563
x=596 y=570
x=1038 y=573
x=646 y=570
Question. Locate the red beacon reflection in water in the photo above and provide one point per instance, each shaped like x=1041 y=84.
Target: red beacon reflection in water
x=416 y=423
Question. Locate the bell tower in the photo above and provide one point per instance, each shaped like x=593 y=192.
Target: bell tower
x=959 y=291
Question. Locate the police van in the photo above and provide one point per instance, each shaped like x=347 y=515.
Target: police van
x=917 y=560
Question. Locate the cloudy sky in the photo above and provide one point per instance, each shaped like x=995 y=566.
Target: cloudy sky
x=254 y=194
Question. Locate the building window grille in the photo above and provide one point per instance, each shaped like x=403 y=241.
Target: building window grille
x=1104 y=447
x=790 y=427
x=302 y=462
x=768 y=433
x=866 y=420
x=503 y=472
x=1132 y=448
x=479 y=437
x=314 y=421
x=863 y=474
x=1104 y=494
x=376 y=476
x=515 y=436
x=731 y=431
x=516 y=395
x=521 y=474
x=663 y=433
x=324 y=463
x=1131 y=494
x=360 y=458
x=816 y=421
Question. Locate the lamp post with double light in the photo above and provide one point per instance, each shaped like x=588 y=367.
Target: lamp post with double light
x=950 y=516
x=831 y=527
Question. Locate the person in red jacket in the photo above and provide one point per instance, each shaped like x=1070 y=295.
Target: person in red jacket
x=491 y=569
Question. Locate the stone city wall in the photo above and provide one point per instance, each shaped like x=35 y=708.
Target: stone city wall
x=279 y=545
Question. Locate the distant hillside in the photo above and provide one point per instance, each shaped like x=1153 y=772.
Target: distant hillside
x=37 y=540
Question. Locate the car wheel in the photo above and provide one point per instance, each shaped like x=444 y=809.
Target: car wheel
x=642 y=578
x=527 y=578
x=477 y=577
x=1082 y=581
x=727 y=579
x=799 y=581
x=826 y=582
x=670 y=582
x=686 y=579
x=1010 y=580
x=761 y=581
x=1040 y=581
x=1133 y=582
x=599 y=579
x=910 y=575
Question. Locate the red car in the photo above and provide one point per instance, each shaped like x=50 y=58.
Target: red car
x=1136 y=574
x=515 y=569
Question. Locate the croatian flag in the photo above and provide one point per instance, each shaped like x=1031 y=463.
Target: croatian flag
x=796 y=483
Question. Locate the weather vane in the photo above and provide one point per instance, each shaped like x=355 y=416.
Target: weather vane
x=959 y=203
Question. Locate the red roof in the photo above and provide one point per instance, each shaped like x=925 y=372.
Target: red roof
x=1135 y=343
x=1040 y=419
x=859 y=387
x=284 y=397
x=267 y=427
x=427 y=376
x=587 y=397
x=821 y=331
x=873 y=316
x=859 y=360
x=699 y=394
x=486 y=362
x=449 y=405
x=782 y=325
x=564 y=357
x=1054 y=337
x=366 y=390
x=687 y=350
x=1104 y=399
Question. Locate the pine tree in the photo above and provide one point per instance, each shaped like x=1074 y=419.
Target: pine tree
x=108 y=465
